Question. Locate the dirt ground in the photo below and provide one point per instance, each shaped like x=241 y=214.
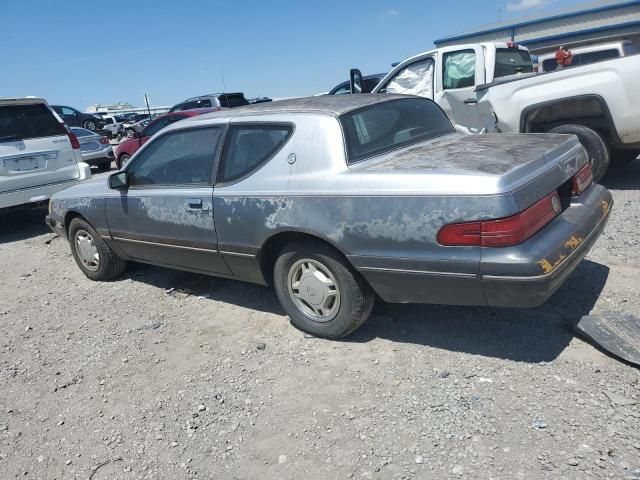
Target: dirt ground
x=170 y=375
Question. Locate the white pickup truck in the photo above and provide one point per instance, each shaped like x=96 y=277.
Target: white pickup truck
x=491 y=87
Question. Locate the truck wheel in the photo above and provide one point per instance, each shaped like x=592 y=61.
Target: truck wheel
x=620 y=158
x=593 y=143
x=320 y=291
x=94 y=257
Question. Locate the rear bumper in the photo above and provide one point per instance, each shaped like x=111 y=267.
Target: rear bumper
x=98 y=157
x=524 y=275
x=41 y=193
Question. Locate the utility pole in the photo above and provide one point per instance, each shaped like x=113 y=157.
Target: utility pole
x=146 y=100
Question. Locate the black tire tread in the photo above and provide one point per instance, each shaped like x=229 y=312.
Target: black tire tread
x=111 y=265
x=594 y=144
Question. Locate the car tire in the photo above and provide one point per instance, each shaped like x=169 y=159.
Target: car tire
x=89 y=125
x=594 y=144
x=308 y=271
x=130 y=132
x=122 y=160
x=620 y=158
x=94 y=257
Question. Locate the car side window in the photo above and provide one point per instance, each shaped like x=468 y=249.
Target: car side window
x=184 y=157
x=248 y=147
x=414 y=79
x=343 y=89
x=68 y=111
x=459 y=69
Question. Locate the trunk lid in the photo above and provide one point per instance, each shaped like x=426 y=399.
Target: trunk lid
x=35 y=148
x=527 y=165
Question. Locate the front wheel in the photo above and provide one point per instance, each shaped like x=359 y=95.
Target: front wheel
x=123 y=160
x=593 y=143
x=94 y=257
x=89 y=125
x=320 y=291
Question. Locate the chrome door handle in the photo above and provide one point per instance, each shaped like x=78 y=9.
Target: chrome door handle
x=194 y=202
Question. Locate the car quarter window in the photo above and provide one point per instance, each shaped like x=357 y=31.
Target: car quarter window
x=248 y=147
x=183 y=157
x=459 y=69
x=414 y=79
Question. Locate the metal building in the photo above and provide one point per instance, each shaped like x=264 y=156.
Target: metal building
x=585 y=24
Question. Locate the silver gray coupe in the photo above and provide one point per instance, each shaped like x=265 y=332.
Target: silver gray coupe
x=337 y=199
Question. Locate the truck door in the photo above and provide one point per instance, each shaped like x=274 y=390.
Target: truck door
x=460 y=70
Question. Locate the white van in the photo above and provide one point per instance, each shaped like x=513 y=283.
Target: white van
x=589 y=54
x=39 y=155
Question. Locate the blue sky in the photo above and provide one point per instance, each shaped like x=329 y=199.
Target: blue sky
x=84 y=52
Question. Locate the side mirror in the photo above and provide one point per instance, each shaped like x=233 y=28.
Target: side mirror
x=356 y=81
x=118 y=181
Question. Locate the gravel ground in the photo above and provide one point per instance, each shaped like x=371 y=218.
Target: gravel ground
x=170 y=375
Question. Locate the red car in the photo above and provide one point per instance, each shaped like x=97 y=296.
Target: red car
x=127 y=148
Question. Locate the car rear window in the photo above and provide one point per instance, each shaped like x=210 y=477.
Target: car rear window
x=232 y=100
x=22 y=122
x=511 y=61
x=380 y=128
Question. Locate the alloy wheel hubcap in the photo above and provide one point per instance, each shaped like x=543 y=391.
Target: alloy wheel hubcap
x=314 y=290
x=125 y=160
x=91 y=126
x=87 y=250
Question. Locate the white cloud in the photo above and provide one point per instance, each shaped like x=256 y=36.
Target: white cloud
x=393 y=12
x=527 y=5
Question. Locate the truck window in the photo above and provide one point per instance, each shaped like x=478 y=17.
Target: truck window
x=511 y=61
x=593 y=57
x=459 y=69
x=414 y=79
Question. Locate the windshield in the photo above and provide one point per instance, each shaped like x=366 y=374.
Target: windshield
x=511 y=61
x=386 y=126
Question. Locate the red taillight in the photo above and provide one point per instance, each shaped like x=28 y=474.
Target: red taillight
x=502 y=232
x=582 y=179
x=104 y=140
x=75 y=144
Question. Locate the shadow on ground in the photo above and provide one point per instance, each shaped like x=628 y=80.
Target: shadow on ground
x=623 y=178
x=523 y=335
x=22 y=223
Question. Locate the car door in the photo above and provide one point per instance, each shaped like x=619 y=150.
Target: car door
x=165 y=216
x=460 y=71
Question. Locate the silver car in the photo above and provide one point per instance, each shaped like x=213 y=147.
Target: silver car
x=95 y=149
x=335 y=199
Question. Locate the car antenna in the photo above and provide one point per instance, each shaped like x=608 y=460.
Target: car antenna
x=224 y=85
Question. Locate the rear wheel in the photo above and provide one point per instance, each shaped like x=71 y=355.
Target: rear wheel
x=320 y=291
x=593 y=143
x=621 y=158
x=123 y=160
x=94 y=257
x=89 y=125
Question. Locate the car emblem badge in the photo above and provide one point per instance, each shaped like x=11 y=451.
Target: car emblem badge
x=555 y=203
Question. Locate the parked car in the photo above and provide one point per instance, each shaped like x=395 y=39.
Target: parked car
x=334 y=199
x=112 y=126
x=127 y=148
x=589 y=54
x=130 y=129
x=214 y=100
x=491 y=87
x=39 y=155
x=95 y=148
x=75 y=118
x=370 y=81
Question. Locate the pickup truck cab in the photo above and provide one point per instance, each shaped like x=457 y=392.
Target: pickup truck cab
x=491 y=87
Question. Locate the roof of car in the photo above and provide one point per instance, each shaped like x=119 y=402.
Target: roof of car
x=334 y=105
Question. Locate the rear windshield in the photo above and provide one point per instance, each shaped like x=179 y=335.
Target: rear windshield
x=81 y=132
x=511 y=61
x=21 y=122
x=383 y=127
x=231 y=100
